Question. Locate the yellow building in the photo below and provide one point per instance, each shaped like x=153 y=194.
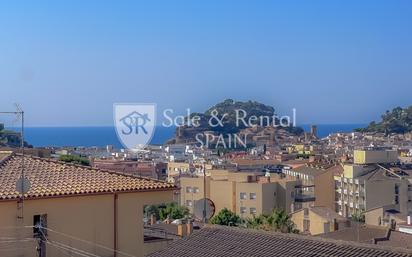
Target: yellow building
x=177 y=169
x=375 y=156
x=245 y=193
x=364 y=185
x=69 y=209
x=317 y=220
x=386 y=216
x=317 y=187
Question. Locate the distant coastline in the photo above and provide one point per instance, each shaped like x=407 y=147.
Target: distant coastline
x=102 y=136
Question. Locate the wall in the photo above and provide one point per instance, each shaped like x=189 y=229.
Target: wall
x=372 y=217
x=223 y=194
x=248 y=203
x=297 y=218
x=318 y=224
x=89 y=218
x=379 y=193
x=325 y=190
x=193 y=196
x=269 y=197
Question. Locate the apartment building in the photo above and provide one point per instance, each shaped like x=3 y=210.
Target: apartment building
x=373 y=180
x=245 y=193
x=316 y=187
x=192 y=190
x=176 y=170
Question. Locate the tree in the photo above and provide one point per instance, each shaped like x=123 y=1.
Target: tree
x=152 y=209
x=226 y=218
x=278 y=220
x=359 y=217
x=74 y=159
x=399 y=121
x=173 y=211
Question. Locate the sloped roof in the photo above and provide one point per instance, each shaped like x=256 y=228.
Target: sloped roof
x=398 y=239
x=327 y=213
x=357 y=232
x=214 y=241
x=53 y=178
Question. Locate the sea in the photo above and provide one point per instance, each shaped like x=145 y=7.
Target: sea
x=102 y=136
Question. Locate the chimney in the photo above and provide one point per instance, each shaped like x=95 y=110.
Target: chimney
x=409 y=222
x=180 y=230
x=189 y=228
x=152 y=219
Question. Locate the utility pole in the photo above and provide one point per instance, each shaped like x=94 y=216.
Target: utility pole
x=204 y=194
x=20 y=114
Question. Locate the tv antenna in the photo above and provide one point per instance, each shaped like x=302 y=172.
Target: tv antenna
x=23 y=184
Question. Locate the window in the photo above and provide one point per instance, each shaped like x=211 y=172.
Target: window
x=189 y=203
x=243 y=196
x=196 y=189
x=242 y=209
x=252 y=196
x=188 y=189
x=39 y=225
x=396 y=199
x=252 y=210
x=396 y=189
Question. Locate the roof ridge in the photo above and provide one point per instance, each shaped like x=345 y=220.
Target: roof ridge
x=90 y=168
x=6 y=158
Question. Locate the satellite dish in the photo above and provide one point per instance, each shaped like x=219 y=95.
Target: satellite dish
x=200 y=207
x=23 y=185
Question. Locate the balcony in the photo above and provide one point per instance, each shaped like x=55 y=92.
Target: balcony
x=306 y=197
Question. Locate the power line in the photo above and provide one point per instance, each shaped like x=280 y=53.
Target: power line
x=88 y=242
x=66 y=247
x=79 y=251
x=16 y=241
x=60 y=250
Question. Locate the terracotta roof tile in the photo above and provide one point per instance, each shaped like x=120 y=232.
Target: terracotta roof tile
x=54 y=178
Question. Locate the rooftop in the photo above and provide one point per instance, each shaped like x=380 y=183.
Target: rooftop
x=327 y=213
x=213 y=241
x=50 y=178
x=357 y=233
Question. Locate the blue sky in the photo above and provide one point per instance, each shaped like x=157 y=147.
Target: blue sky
x=67 y=62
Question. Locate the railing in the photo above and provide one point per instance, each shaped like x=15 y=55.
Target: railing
x=304 y=197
